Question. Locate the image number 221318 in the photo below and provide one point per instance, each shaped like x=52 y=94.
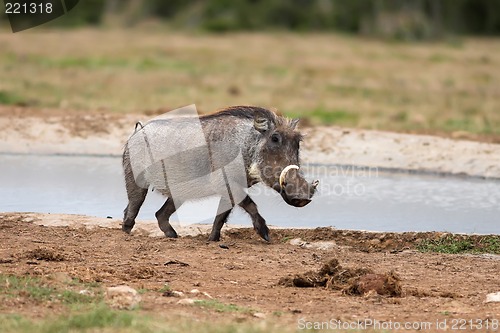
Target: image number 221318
x=28 y=8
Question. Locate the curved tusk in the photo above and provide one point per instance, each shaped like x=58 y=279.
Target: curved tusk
x=285 y=171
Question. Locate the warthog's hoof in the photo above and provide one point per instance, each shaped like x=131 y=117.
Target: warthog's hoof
x=171 y=234
x=263 y=232
x=127 y=229
x=214 y=238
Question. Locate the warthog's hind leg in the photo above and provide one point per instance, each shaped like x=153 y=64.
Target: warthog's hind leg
x=136 y=196
x=163 y=216
x=259 y=224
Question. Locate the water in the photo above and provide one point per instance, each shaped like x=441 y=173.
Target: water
x=359 y=199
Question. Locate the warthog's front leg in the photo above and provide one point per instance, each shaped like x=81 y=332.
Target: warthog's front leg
x=259 y=224
x=163 y=216
x=220 y=219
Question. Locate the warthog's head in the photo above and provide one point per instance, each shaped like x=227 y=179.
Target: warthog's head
x=276 y=161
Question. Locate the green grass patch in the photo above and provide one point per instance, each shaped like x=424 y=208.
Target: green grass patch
x=471 y=124
x=97 y=319
x=100 y=317
x=36 y=289
x=103 y=319
x=31 y=287
x=9 y=98
x=222 y=307
x=455 y=244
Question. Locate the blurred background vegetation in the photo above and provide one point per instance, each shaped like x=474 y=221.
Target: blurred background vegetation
x=426 y=66
x=398 y=19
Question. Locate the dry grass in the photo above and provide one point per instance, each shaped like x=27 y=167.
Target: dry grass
x=441 y=87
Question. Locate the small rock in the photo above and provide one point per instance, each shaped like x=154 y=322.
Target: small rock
x=122 y=297
x=194 y=291
x=297 y=242
x=86 y=292
x=375 y=241
x=186 y=301
x=493 y=297
x=326 y=245
x=224 y=246
x=259 y=315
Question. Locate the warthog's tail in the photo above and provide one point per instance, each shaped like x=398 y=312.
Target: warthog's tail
x=137 y=125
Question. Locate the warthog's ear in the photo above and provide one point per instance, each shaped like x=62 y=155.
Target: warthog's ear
x=261 y=124
x=294 y=123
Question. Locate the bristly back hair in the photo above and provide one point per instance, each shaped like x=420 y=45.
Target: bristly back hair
x=242 y=111
x=248 y=112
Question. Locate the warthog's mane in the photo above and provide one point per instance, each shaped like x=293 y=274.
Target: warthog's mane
x=241 y=111
x=250 y=112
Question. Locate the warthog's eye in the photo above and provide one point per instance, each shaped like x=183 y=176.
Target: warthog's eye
x=276 y=138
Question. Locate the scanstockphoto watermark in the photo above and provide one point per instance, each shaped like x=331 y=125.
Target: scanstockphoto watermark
x=342 y=180
x=372 y=324
x=452 y=324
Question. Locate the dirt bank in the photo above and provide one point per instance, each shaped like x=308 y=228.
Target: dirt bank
x=247 y=272
x=45 y=131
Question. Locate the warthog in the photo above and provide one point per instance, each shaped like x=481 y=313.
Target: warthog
x=266 y=144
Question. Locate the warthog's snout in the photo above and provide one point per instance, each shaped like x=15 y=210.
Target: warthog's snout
x=294 y=189
x=299 y=202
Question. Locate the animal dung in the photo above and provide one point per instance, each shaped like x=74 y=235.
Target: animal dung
x=46 y=254
x=351 y=281
x=383 y=284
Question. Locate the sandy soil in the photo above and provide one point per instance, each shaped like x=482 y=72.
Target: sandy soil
x=45 y=131
x=435 y=287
